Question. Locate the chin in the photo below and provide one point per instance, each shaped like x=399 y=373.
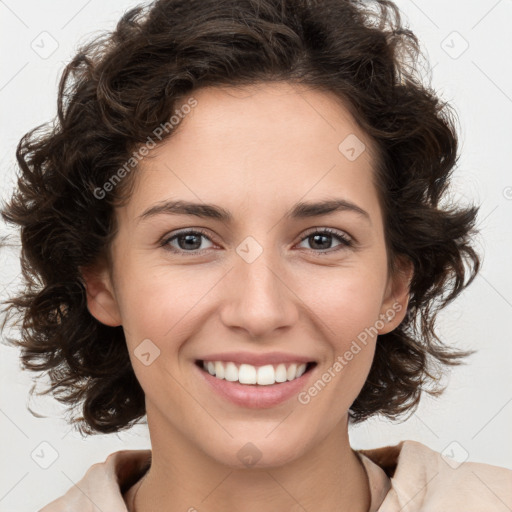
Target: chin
x=257 y=452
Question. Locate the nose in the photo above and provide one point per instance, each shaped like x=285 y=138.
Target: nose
x=259 y=298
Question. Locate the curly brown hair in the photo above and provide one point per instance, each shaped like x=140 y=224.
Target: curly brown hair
x=123 y=84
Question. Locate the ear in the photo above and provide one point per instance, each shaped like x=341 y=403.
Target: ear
x=101 y=300
x=396 y=299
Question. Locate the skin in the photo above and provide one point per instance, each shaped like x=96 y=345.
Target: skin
x=255 y=152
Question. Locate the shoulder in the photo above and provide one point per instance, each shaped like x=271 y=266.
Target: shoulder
x=103 y=484
x=424 y=479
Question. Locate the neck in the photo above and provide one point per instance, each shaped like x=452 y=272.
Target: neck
x=328 y=477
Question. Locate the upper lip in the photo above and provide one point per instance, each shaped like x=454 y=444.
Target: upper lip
x=257 y=359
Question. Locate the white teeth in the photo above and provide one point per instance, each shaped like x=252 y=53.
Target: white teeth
x=292 y=371
x=249 y=374
x=266 y=375
x=219 y=370
x=280 y=373
x=231 y=372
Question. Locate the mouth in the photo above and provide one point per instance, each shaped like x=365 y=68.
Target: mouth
x=256 y=376
x=255 y=387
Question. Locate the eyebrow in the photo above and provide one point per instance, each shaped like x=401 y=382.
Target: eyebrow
x=300 y=210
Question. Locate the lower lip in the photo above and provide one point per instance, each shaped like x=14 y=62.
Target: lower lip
x=256 y=396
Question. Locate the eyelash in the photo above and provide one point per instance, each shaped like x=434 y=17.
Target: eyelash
x=346 y=242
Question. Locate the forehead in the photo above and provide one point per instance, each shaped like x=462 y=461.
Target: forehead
x=253 y=144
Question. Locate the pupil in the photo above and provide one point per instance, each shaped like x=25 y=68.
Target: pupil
x=315 y=237
x=190 y=239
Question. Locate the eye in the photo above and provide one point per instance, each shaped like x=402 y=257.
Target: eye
x=322 y=239
x=187 y=241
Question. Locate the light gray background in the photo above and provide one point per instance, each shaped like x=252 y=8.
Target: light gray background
x=472 y=419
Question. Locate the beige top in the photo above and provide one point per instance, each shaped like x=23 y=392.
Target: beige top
x=407 y=477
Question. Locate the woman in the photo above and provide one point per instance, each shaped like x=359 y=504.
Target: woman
x=235 y=229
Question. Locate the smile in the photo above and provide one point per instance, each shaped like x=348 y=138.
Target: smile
x=256 y=381
x=265 y=375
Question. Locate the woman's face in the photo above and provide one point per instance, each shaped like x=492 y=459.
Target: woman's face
x=266 y=279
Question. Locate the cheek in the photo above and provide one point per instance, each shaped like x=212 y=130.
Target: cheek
x=156 y=300
x=346 y=300
x=347 y=303
x=159 y=308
